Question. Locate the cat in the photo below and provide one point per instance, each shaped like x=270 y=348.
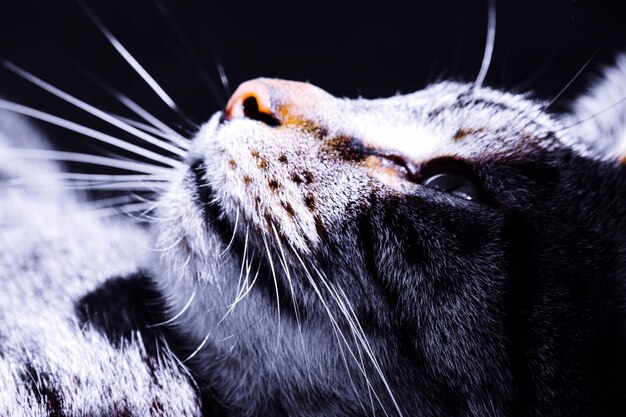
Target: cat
x=449 y=252
x=452 y=252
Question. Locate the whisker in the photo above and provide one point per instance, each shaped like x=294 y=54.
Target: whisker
x=157 y=128
x=199 y=348
x=160 y=248
x=285 y=266
x=225 y=338
x=537 y=73
x=248 y=288
x=83 y=158
x=165 y=130
x=112 y=202
x=159 y=218
x=243 y=264
x=340 y=337
x=574 y=78
x=352 y=383
x=232 y=239
x=283 y=260
x=147 y=128
x=92 y=110
x=191 y=54
x=84 y=184
x=489 y=45
x=370 y=389
x=87 y=177
x=273 y=270
x=241 y=296
x=243 y=287
x=94 y=134
x=180 y=313
x=359 y=333
x=223 y=78
x=586 y=119
x=114 y=211
x=135 y=65
x=118 y=186
x=183 y=267
x=560 y=93
x=366 y=345
x=317 y=291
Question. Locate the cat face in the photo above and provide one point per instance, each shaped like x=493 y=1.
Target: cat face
x=326 y=256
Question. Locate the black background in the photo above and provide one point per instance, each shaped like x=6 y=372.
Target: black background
x=368 y=49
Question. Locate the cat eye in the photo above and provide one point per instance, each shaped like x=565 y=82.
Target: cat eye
x=446 y=175
x=453 y=182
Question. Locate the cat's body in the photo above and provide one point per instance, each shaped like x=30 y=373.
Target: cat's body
x=457 y=251
x=55 y=253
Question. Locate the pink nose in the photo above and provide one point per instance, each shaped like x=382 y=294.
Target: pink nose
x=275 y=102
x=251 y=98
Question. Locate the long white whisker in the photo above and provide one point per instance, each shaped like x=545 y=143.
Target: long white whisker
x=489 y=45
x=246 y=290
x=574 y=78
x=46 y=117
x=273 y=270
x=184 y=265
x=232 y=239
x=122 y=204
x=144 y=215
x=360 y=333
x=112 y=211
x=72 y=176
x=223 y=78
x=240 y=296
x=285 y=266
x=82 y=158
x=243 y=263
x=243 y=287
x=180 y=313
x=165 y=130
x=121 y=186
x=112 y=202
x=130 y=59
x=166 y=248
x=156 y=126
x=370 y=389
x=560 y=93
x=92 y=110
x=149 y=129
x=593 y=116
x=283 y=260
x=339 y=336
x=225 y=338
x=200 y=346
x=200 y=67
x=357 y=331
x=359 y=365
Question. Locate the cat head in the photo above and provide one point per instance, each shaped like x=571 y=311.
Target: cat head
x=423 y=254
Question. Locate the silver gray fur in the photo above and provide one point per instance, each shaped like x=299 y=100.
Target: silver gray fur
x=53 y=252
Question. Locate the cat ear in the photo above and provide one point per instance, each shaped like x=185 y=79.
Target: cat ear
x=598 y=117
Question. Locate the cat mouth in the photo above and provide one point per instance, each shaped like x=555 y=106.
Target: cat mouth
x=207 y=201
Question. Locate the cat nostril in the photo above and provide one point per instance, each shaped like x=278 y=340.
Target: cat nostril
x=252 y=111
x=252 y=101
x=251 y=107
